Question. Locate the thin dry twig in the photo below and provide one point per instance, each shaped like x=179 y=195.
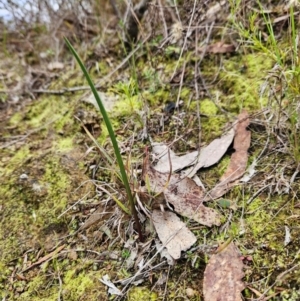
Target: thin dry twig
x=278 y=279
x=185 y=38
x=161 y=12
x=45 y=258
x=60 y=287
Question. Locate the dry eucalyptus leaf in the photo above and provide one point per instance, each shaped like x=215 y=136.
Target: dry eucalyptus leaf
x=223 y=276
x=219 y=47
x=187 y=199
x=172 y=232
x=185 y=196
x=239 y=158
x=212 y=153
x=164 y=252
x=162 y=151
x=209 y=155
x=94 y=218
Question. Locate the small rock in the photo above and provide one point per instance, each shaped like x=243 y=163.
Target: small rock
x=190 y=292
x=73 y=255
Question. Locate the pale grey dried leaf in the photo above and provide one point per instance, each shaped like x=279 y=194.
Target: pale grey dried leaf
x=164 y=253
x=141 y=264
x=129 y=244
x=199 y=183
x=223 y=276
x=106 y=230
x=131 y=259
x=287 y=238
x=250 y=172
x=112 y=289
x=164 y=153
x=172 y=232
x=211 y=154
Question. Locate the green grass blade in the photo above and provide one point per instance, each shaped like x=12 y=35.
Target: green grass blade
x=111 y=135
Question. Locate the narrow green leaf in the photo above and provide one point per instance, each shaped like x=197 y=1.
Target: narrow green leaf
x=111 y=135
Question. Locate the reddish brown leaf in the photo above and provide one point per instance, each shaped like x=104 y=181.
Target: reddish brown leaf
x=239 y=158
x=219 y=47
x=222 y=276
x=184 y=195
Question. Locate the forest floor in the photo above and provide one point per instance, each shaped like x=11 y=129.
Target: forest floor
x=183 y=82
